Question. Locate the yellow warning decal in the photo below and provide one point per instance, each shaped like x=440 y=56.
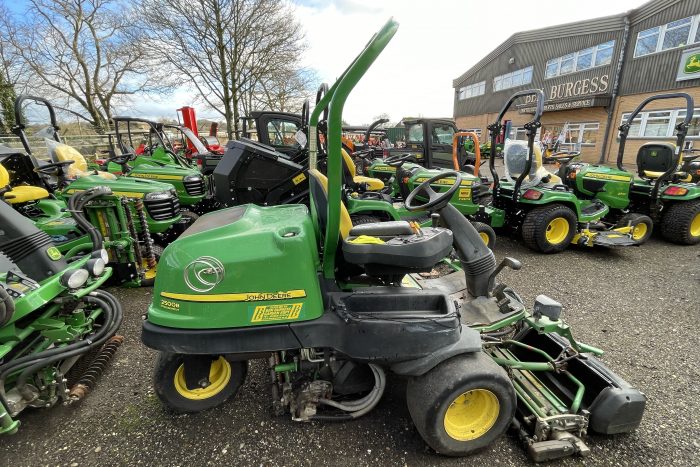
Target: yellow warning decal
x=382 y=168
x=298 y=179
x=444 y=181
x=464 y=194
x=127 y=194
x=619 y=178
x=276 y=312
x=156 y=176
x=236 y=297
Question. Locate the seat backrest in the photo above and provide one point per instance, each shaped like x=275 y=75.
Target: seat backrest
x=63 y=152
x=4 y=177
x=349 y=163
x=515 y=160
x=318 y=187
x=656 y=157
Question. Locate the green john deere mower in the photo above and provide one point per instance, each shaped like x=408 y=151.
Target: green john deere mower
x=332 y=307
x=551 y=214
x=57 y=328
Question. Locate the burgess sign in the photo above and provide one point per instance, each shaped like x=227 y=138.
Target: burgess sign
x=572 y=95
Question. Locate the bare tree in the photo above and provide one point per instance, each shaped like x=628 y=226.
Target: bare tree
x=283 y=91
x=12 y=71
x=229 y=51
x=84 y=54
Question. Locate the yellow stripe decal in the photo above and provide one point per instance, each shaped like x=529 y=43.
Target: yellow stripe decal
x=128 y=194
x=236 y=297
x=619 y=178
x=444 y=181
x=156 y=176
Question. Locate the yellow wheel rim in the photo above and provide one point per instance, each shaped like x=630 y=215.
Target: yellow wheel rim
x=219 y=376
x=471 y=415
x=695 y=226
x=557 y=230
x=639 y=231
x=485 y=237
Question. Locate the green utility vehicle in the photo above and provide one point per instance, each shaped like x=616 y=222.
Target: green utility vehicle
x=132 y=253
x=475 y=359
x=57 y=328
x=549 y=213
x=68 y=173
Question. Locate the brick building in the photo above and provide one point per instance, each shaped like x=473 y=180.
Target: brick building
x=593 y=73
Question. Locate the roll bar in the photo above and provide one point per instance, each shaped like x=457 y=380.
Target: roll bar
x=531 y=127
x=374 y=125
x=455 y=150
x=681 y=132
x=19 y=127
x=335 y=99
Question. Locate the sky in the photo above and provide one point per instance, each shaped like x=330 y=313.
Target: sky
x=437 y=41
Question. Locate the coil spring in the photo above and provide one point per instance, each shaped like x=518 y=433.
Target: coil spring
x=132 y=232
x=87 y=381
x=147 y=240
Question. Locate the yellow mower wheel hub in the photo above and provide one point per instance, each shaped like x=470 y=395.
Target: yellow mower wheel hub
x=219 y=377
x=695 y=226
x=557 y=230
x=484 y=237
x=639 y=231
x=471 y=415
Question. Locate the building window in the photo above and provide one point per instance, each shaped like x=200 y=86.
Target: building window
x=661 y=124
x=584 y=59
x=668 y=36
x=474 y=130
x=571 y=136
x=472 y=90
x=513 y=79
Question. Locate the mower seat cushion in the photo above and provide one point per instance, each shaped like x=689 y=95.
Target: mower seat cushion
x=25 y=194
x=373 y=184
x=79 y=167
x=409 y=251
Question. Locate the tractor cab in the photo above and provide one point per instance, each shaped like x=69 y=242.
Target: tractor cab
x=430 y=139
x=275 y=129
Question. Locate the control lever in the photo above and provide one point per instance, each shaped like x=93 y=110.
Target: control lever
x=502 y=299
x=512 y=263
x=435 y=219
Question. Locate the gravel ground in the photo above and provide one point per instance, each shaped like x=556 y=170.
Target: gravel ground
x=639 y=304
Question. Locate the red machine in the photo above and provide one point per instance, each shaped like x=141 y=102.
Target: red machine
x=211 y=142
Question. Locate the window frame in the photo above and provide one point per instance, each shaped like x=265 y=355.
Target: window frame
x=498 y=81
x=575 y=55
x=466 y=92
x=662 y=28
x=670 y=131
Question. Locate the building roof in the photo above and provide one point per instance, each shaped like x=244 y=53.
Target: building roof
x=590 y=26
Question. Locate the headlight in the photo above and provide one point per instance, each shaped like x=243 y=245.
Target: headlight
x=74 y=278
x=192 y=178
x=102 y=254
x=95 y=266
x=159 y=195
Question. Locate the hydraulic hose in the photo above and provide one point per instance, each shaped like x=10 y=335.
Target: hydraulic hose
x=76 y=204
x=7 y=307
x=361 y=406
x=478 y=261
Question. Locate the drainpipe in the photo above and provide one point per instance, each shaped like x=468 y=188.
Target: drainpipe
x=616 y=85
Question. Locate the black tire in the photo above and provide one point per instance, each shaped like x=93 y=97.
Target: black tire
x=680 y=223
x=149 y=279
x=431 y=395
x=538 y=222
x=642 y=226
x=164 y=382
x=487 y=234
x=359 y=219
x=190 y=216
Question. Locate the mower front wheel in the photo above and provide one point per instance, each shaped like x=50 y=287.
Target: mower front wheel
x=487 y=234
x=224 y=380
x=681 y=223
x=549 y=229
x=641 y=225
x=462 y=405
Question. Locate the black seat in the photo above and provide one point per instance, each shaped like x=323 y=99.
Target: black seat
x=654 y=159
x=382 y=248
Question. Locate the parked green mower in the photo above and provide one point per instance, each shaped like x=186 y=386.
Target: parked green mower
x=550 y=214
x=57 y=328
x=68 y=173
x=132 y=253
x=324 y=303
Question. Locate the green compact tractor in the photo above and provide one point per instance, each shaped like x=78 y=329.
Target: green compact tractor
x=157 y=162
x=331 y=308
x=57 y=328
x=132 y=253
x=660 y=190
x=549 y=212
x=68 y=173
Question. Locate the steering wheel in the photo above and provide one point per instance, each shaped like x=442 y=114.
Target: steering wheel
x=50 y=169
x=122 y=159
x=436 y=200
x=399 y=159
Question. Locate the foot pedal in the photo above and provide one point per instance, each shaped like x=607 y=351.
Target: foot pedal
x=565 y=445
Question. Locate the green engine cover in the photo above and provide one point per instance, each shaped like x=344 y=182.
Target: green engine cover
x=610 y=185
x=240 y=267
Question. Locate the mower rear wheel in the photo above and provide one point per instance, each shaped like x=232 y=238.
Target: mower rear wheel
x=487 y=234
x=681 y=223
x=462 y=405
x=225 y=378
x=549 y=229
x=642 y=226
